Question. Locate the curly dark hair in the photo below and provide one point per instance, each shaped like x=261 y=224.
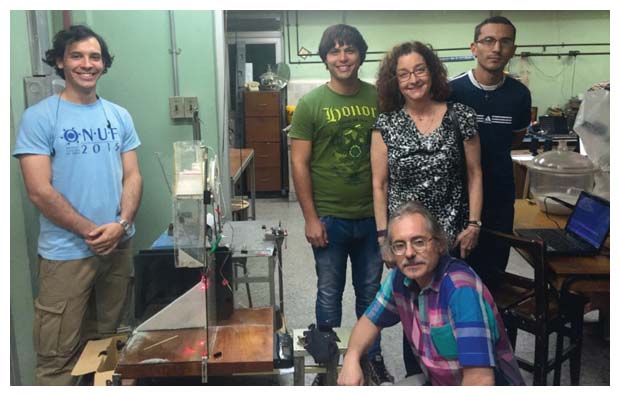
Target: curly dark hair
x=73 y=34
x=342 y=34
x=390 y=98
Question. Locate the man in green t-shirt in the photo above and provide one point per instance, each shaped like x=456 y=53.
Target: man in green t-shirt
x=330 y=154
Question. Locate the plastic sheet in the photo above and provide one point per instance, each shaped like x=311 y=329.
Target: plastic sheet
x=592 y=126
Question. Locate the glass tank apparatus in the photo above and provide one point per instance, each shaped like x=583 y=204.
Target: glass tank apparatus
x=562 y=174
x=188 y=206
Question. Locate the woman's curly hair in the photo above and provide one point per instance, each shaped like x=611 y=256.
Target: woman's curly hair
x=390 y=98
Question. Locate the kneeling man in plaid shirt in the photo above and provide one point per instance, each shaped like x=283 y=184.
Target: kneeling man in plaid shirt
x=447 y=313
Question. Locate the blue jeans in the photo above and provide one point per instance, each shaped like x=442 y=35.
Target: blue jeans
x=356 y=239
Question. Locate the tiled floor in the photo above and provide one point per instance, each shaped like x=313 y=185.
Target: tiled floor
x=300 y=288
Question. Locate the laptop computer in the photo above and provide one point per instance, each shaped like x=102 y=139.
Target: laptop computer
x=554 y=125
x=585 y=231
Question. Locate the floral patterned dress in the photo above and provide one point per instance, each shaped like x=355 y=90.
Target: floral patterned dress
x=429 y=168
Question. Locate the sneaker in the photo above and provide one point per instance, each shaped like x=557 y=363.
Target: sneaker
x=376 y=373
x=319 y=380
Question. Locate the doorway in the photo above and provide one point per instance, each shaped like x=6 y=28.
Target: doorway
x=249 y=54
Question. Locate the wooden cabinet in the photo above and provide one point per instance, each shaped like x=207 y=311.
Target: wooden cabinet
x=263 y=125
x=262 y=103
x=262 y=129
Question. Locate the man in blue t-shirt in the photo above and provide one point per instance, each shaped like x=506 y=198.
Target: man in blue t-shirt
x=503 y=108
x=77 y=153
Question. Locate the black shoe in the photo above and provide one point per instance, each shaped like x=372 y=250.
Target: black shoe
x=376 y=373
x=319 y=380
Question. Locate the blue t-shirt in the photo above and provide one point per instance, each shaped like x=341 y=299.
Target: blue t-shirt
x=85 y=153
x=501 y=110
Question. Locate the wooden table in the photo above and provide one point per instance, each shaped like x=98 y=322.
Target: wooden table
x=522 y=177
x=239 y=160
x=588 y=275
x=241 y=344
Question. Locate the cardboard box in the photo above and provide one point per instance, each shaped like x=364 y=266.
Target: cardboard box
x=100 y=357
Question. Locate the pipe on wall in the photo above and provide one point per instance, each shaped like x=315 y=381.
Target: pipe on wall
x=174 y=51
x=38 y=41
x=447 y=58
x=66 y=19
x=223 y=98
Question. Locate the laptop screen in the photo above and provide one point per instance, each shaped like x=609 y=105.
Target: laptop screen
x=590 y=219
x=554 y=125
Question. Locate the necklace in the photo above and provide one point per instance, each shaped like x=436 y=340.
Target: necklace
x=108 y=124
x=420 y=118
x=428 y=121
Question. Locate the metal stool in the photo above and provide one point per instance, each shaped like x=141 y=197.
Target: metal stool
x=331 y=369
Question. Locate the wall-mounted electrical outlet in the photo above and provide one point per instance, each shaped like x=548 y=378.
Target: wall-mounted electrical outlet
x=177 y=109
x=191 y=105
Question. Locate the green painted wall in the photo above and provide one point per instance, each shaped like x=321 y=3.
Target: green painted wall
x=552 y=81
x=24 y=224
x=141 y=81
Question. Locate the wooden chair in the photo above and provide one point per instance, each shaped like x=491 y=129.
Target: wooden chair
x=534 y=306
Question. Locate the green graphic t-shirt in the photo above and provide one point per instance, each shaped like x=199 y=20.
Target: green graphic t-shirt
x=339 y=127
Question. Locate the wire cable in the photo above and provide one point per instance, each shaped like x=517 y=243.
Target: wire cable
x=547 y=213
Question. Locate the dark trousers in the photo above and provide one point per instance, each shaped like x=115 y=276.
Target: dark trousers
x=488 y=257
x=412 y=367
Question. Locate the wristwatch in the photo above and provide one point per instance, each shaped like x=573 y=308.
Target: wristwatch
x=125 y=224
x=476 y=223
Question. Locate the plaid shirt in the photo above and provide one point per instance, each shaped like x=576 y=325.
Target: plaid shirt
x=452 y=323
